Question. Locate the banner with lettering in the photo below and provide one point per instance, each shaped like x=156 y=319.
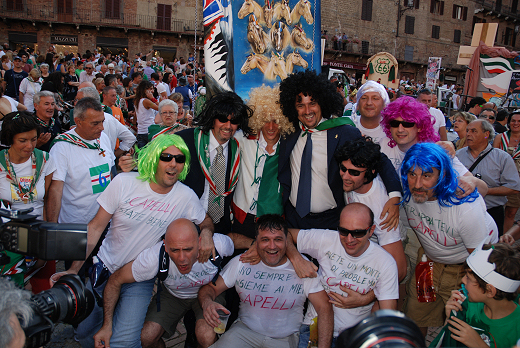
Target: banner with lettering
x=433 y=72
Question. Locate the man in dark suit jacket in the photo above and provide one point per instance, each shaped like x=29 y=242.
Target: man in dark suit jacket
x=309 y=101
x=216 y=125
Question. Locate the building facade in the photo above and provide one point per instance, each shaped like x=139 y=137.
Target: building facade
x=112 y=26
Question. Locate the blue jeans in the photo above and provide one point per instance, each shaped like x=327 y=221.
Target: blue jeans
x=142 y=140
x=128 y=319
x=305 y=335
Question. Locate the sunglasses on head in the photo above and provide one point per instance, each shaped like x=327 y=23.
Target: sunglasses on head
x=354 y=233
x=353 y=172
x=225 y=119
x=167 y=157
x=396 y=124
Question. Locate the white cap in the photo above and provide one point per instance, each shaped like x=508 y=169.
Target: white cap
x=373 y=86
x=479 y=264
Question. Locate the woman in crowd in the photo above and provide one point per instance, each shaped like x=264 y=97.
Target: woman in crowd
x=6 y=63
x=144 y=111
x=168 y=120
x=71 y=84
x=100 y=84
x=461 y=121
x=29 y=87
x=510 y=142
x=25 y=177
x=44 y=69
x=53 y=83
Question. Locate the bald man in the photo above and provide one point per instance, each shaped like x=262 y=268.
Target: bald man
x=179 y=290
x=350 y=265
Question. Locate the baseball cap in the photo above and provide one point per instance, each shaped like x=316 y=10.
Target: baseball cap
x=16 y=57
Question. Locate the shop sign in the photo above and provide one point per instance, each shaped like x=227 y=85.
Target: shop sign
x=64 y=39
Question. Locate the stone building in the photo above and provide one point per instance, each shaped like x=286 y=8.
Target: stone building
x=412 y=30
x=113 y=26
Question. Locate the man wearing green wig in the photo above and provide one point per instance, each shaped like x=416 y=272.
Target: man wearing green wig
x=141 y=206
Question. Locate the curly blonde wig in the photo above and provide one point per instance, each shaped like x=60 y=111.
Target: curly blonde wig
x=264 y=101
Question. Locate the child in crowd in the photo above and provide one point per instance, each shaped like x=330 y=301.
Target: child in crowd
x=489 y=316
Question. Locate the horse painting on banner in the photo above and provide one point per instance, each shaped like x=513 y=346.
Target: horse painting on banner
x=254 y=61
x=293 y=59
x=282 y=11
x=276 y=67
x=302 y=8
x=299 y=39
x=256 y=36
x=268 y=14
x=280 y=36
x=251 y=6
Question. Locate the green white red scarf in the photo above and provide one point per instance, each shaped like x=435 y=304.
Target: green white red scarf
x=75 y=140
x=202 y=148
x=38 y=159
x=505 y=144
x=166 y=130
x=44 y=124
x=328 y=124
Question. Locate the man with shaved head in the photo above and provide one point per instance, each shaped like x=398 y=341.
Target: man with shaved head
x=178 y=292
x=350 y=265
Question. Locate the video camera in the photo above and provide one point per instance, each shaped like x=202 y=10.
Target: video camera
x=68 y=301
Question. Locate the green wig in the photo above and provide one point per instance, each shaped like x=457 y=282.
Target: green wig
x=149 y=156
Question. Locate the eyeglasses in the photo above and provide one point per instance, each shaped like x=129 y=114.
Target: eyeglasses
x=168 y=113
x=396 y=124
x=167 y=157
x=354 y=233
x=88 y=68
x=353 y=172
x=225 y=119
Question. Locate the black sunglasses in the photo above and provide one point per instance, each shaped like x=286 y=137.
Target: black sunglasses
x=353 y=172
x=396 y=124
x=225 y=119
x=355 y=233
x=167 y=157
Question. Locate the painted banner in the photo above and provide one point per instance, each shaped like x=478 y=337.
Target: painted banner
x=249 y=43
x=433 y=72
x=496 y=80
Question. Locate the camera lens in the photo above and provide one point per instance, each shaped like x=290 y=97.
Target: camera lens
x=68 y=301
x=384 y=328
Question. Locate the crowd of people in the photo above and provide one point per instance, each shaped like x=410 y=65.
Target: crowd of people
x=252 y=208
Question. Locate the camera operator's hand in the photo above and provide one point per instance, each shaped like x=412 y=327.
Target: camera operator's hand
x=56 y=276
x=102 y=337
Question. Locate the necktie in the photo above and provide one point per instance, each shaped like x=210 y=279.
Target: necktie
x=303 y=201
x=218 y=173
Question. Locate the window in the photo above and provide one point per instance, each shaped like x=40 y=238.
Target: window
x=508 y=37
x=164 y=16
x=364 y=47
x=416 y=4
x=460 y=12
x=498 y=6
x=437 y=7
x=408 y=53
x=65 y=10
x=14 y=5
x=409 y=25
x=112 y=9
x=456 y=36
x=514 y=6
x=366 y=10
x=436 y=30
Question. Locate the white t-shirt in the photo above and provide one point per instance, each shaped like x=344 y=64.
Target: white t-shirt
x=163 y=87
x=374 y=270
x=116 y=130
x=446 y=233
x=183 y=286
x=377 y=134
x=85 y=173
x=437 y=118
x=376 y=199
x=396 y=156
x=24 y=174
x=29 y=89
x=271 y=298
x=145 y=117
x=140 y=216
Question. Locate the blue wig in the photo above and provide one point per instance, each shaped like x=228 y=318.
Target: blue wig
x=427 y=156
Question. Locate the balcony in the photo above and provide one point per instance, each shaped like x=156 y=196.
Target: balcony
x=499 y=9
x=92 y=17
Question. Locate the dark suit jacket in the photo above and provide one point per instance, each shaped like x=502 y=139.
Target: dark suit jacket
x=335 y=137
x=196 y=179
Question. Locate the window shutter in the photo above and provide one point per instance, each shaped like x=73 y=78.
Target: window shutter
x=456 y=36
x=416 y=2
x=441 y=12
x=464 y=13
x=432 y=6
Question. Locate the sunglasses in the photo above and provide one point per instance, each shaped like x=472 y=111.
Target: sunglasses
x=354 y=233
x=353 y=172
x=167 y=157
x=225 y=119
x=396 y=124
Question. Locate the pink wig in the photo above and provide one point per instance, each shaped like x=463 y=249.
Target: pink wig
x=410 y=110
